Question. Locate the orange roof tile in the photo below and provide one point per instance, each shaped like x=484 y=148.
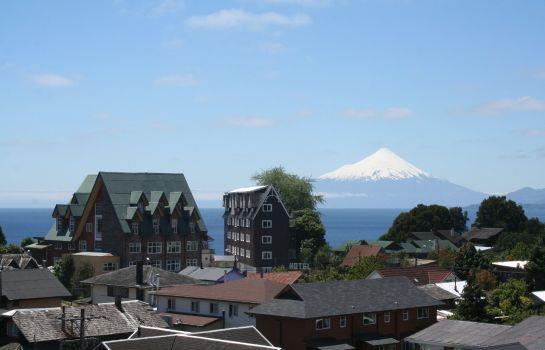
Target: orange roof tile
x=358 y=251
x=287 y=277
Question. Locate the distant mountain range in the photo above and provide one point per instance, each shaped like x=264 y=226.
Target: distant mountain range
x=385 y=180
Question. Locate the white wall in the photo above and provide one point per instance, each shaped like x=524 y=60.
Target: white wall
x=99 y=294
x=183 y=305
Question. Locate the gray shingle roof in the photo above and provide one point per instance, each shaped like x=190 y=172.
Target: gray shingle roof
x=247 y=334
x=126 y=277
x=19 y=284
x=437 y=292
x=349 y=297
x=39 y=325
x=530 y=333
x=454 y=333
x=205 y=274
x=481 y=233
x=17 y=261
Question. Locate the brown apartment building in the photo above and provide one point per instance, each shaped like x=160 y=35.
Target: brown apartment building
x=342 y=315
x=149 y=217
x=257 y=228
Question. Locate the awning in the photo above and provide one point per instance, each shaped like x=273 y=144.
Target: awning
x=374 y=340
x=329 y=344
x=37 y=246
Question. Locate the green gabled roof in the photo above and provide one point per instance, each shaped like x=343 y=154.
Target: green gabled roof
x=135 y=197
x=76 y=210
x=61 y=209
x=174 y=198
x=409 y=248
x=87 y=184
x=189 y=210
x=131 y=212
x=120 y=186
x=379 y=243
x=157 y=196
x=54 y=235
x=80 y=198
x=152 y=207
x=430 y=245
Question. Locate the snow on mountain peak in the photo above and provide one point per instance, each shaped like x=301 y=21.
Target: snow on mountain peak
x=381 y=165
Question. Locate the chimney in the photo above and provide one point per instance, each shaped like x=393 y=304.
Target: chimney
x=118 y=303
x=63 y=318
x=140 y=273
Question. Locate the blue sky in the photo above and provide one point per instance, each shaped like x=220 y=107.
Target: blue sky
x=221 y=89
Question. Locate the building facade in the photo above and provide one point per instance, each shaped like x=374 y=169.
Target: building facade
x=257 y=228
x=148 y=217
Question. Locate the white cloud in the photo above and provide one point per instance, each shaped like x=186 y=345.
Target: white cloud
x=499 y=107
x=273 y=48
x=369 y=113
x=231 y=19
x=250 y=122
x=535 y=133
x=177 y=80
x=51 y=80
x=166 y=6
x=310 y=3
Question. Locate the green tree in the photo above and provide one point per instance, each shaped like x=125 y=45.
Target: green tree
x=296 y=191
x=468 y=260
x=535 y=270
x=306 y=225
x=64 y=270
x=2 y=237
x=472 y=305
x=83 y=272
x=364 y=267
x=521 y=251
x=498 y=211
x=10 y=249
x=26 y=241
x=446 y=258
x=510 y=301
x=535 y=227
x=425 y=218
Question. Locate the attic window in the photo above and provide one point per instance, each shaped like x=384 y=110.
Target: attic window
x=72 y=224
x=134 y=228
x=156 y=225
x=59 y=223
x=141 y=207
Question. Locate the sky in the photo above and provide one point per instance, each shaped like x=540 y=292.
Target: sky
x=219 y=90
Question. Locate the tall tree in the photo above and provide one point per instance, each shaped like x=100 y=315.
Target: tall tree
x=26 y=241
x=426 y=218
x=64 y=270
x=296 y=191
x=468 y=260
x=535 y=270
x=509 y=300
x=307 y=226
x=2 y=237
x=472 y=306
x=498 y=211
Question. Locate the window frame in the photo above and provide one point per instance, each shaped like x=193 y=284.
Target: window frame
x=189 y=246
x=266 y=239
x=177 y=265
x=421 y=317
x=135 y=227
x=342 y=321
x=108 y=267
x=369 y=318
x=195 y=306
x=267 y=208
x=321 y=324
x=171 y=304
x=406 y=315
x=387 y=317
x=191 y=262
x=213 y=308
x=158 y=248
x=266 y=255
x=133 y=245
x=266 y=224
x=174 y=247
x=82 y=245
x=89 y=227
x=156 y=223
x=174 y=225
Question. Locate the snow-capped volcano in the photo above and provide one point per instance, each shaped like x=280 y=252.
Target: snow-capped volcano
x=381 y=165
x=385 y=180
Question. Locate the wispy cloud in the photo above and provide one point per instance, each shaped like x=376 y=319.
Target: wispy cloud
x=370 y=113
x=177 y=80
x=525 y=154
x=233 y=18
x=310 y=3
x=272 y=48
x=533 y=132
x=499 y=107
x=166 y=6
x=51 y=80
x=149 y=8
x=249 y=122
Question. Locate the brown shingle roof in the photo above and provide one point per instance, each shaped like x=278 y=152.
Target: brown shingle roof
x=419 y=275
x=253 y=291
x=287 y=277
x=191 y=320
x=481 y=233
x=358 y=251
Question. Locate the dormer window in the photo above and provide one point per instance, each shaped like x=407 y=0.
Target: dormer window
x=72 y=224
x=59 y=223
x=192 y=227
x=156 y=225
x=141 y=207
x=134 y=228
x=174 y=225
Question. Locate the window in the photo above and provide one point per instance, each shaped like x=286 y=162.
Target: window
x=99 y=225
x=266 y=255
x=98 y=209
x=12 y=331
x=387 y=317
x=71 y=246
x=233 y=310
x=132 y=263
x=405 y=315
x=72 y=224
x=369 y=318
x=83 y=245
x=134 y=228
x=248 y=253
x=174 y=247
x=322 y=323
x=191 y=262
x=247 y=238
x=214 y=308
x=110 y=266
x=173 y=265
x=156 y=225
x=155 y=247
x=192 y=227
x=135 y=247
x=155 y=263
x=192 y=246
x=141 y=207
x=228 y=234
x=59 y=223
x=110 y=291
x=58 y=245
x=267 y=208
x=171 y=304
x=174 y=225
x=266 y=269
x=195 y=306
x=422 y=312
x=266 y=223
x=98 y=246
x=228 y=248
x=266 y=239
x=124 y=292
x=89 y=227
x=342 y=321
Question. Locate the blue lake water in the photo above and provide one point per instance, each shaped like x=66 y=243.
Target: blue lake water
x=341 y=224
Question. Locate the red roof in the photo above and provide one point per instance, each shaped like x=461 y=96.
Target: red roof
x=244 y=291
x=190 y=320
x=419 y=275
x=358 y=251
x=288 y=277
